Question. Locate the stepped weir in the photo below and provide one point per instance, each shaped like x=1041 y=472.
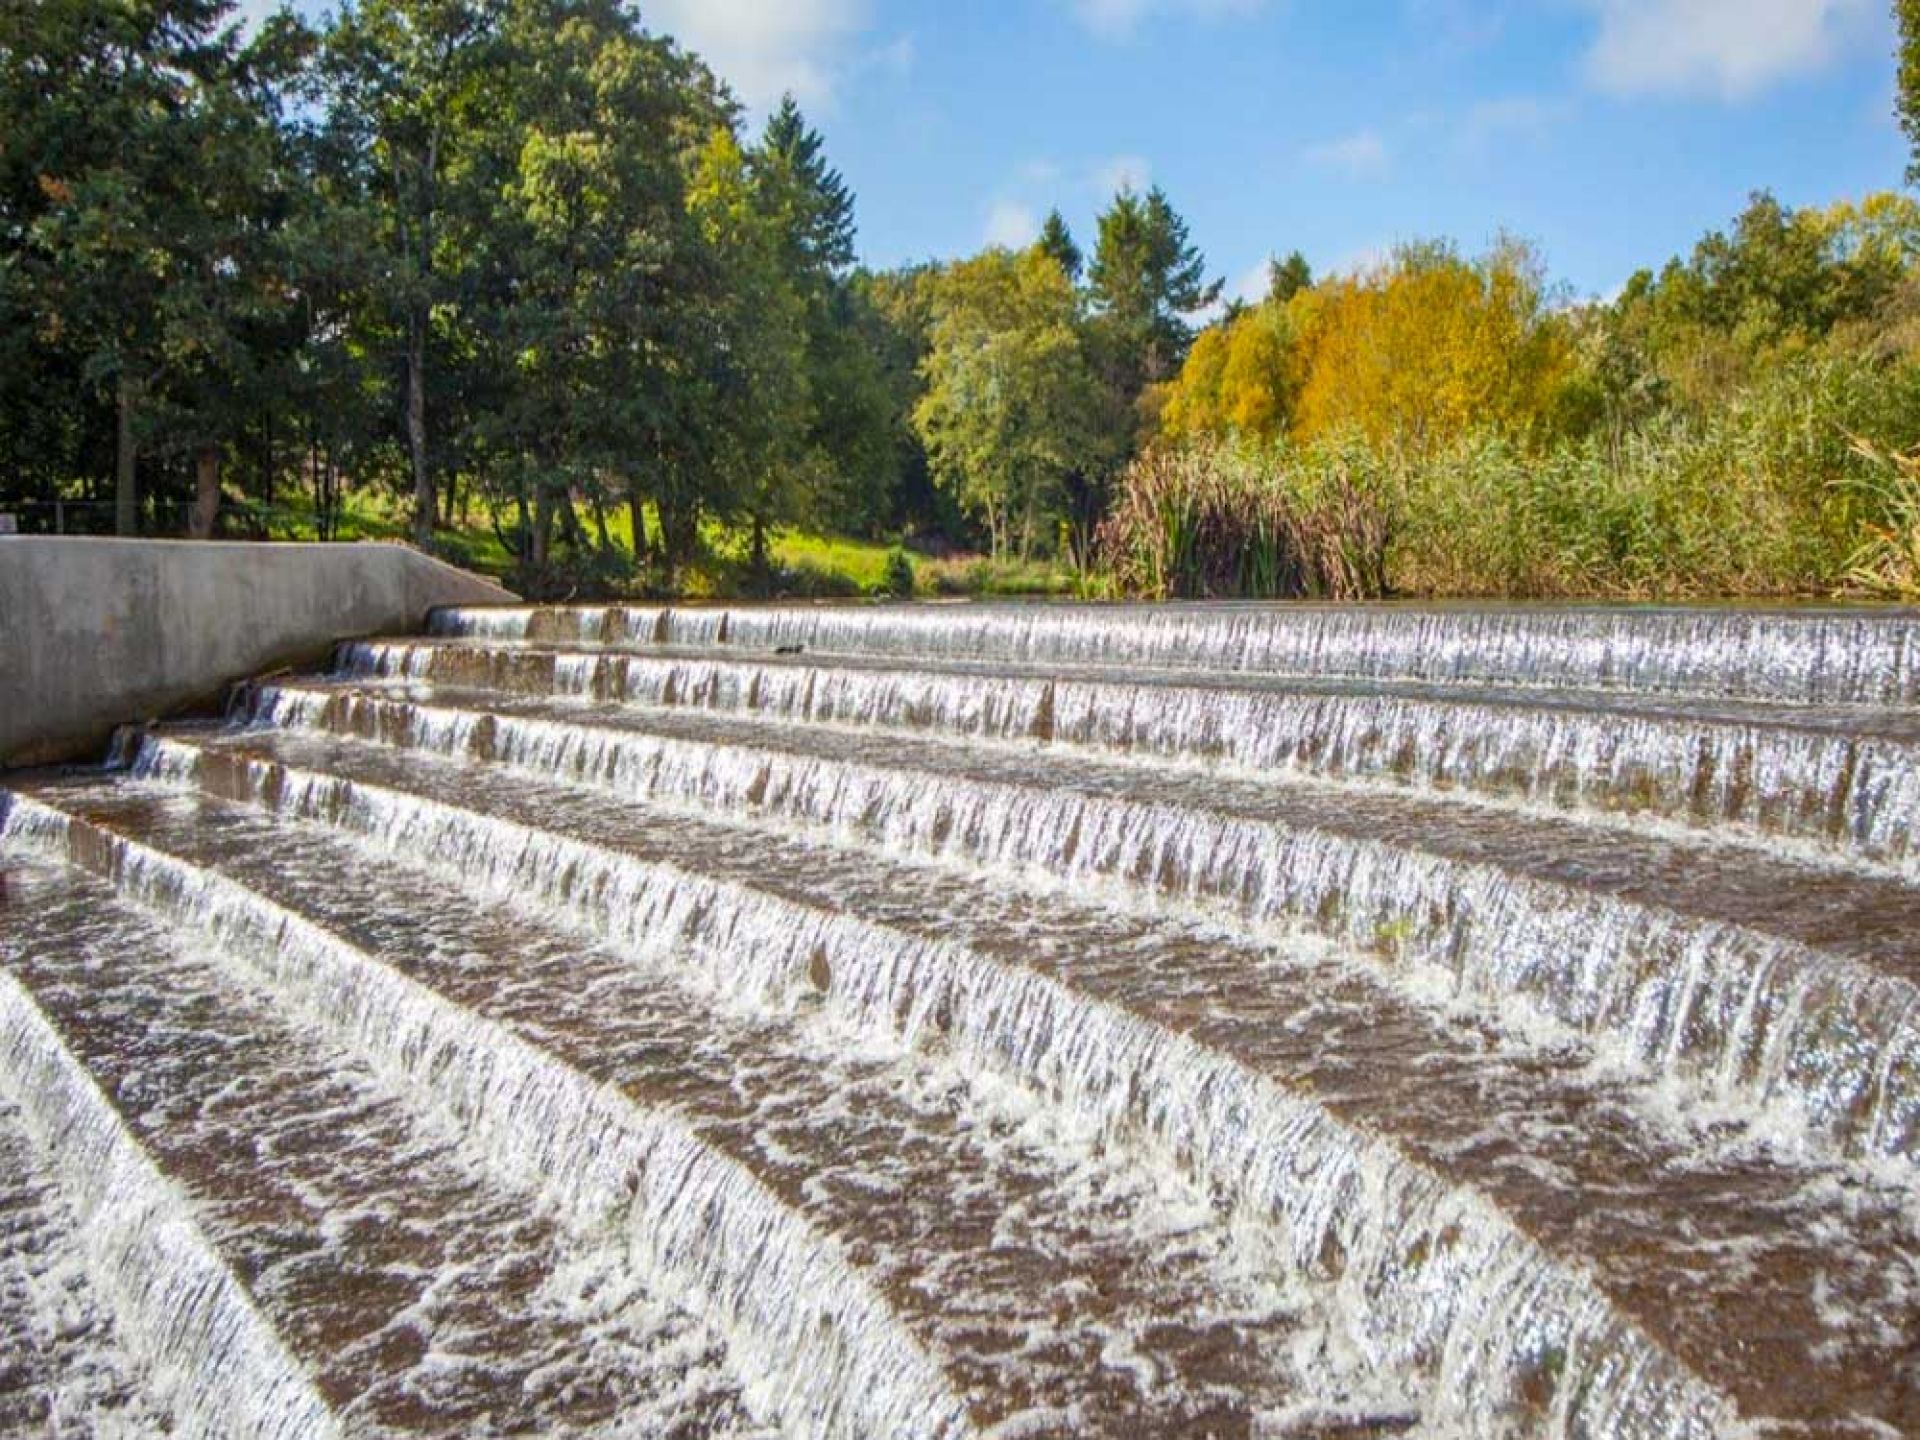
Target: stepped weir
x=991 y=1020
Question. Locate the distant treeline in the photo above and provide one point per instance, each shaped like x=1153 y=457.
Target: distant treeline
x=1735 y=425
x=518 y=264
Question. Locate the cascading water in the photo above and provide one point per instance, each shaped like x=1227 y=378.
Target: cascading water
x=1825 y=787
x=1730 y=1011
x=184 y=1315
x=1279 y=1160
x=1835 y=657
x=1038 y=1020
x=824 y=1346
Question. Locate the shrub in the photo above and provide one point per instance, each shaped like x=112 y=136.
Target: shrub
x=1771 y=494
x=898 y=579
x=1220 y=519
x=579 y=572
x=1887 y=561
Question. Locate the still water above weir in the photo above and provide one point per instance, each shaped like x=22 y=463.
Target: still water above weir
x=987 y=1020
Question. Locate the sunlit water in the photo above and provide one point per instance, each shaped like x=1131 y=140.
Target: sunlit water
x=983 y=1020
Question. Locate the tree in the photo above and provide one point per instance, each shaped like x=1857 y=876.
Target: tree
x=753 y=375
x=1010 y=402
x=894 y=314
x=1778 y=283
x=1057 y=240
x=811 y=196
x=1242 y=379
x=1146 y=279
x=588 y=276
x=409 y=84
x=843 y=462
x=137 y=179
x=1287 y=278
x=1428 y=347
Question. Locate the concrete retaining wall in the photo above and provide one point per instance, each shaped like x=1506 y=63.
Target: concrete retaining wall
x=98 y=633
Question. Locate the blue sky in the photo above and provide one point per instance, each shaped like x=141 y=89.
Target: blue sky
x=1610 y=132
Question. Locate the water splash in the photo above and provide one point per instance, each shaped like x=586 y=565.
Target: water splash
x=1735 y=1014
x=208 y=1355
x=821 y=1349
x=1834 y=657
x=1822 y=786
x=1428 y=1278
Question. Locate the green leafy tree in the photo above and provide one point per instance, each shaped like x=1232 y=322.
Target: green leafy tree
x=753 y=374
x=1057 y=240
x=893 y=312
x=845 y=465
x=1147 y=280
x=137 y=180
x=811 y=196
x=1011 y=402
x=410 y=83
x=587 y=265
x=1287 y=278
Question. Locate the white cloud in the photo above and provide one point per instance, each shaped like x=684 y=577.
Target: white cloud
x=1253 y=285
x=1361 y=153
x=1011 y=224
x=1122 y=172
x=1118 y=19
x=1732 y=49
x=764 y=50
x=1368 y=260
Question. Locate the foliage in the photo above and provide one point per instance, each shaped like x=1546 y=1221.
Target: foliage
x=1887 y=562
x=898 y=581
x=1009 y=404
x=1145 y=280
x=141 y=199
x=1287 y=278
x=1427 y=347
x=510 y=277
x=511 y=254
x=1057 y=240
x=1242 y=378
x=1238 y=520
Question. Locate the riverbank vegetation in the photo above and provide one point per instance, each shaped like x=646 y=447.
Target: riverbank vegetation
x=515 y=279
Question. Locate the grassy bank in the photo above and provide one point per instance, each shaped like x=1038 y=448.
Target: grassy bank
x=1801 y=486
x=803 y=565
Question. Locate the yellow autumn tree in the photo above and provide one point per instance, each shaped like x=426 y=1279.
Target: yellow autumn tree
x=1240 y=380
x=1428 y=346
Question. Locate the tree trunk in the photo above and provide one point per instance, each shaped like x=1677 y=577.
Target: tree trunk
x=423 y=496
x=206 y=492
x=542 y=526
x=126 y=499
x=679 y=535
x=525 y=540
x=266 y=447
x=760 y=572
x=570 y=528
x=637 y=509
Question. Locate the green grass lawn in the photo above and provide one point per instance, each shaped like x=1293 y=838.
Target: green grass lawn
x=863 y=562
x=809 y=564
